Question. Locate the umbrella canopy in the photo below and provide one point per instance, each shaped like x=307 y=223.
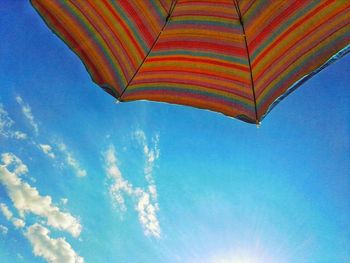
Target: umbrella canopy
x=237 y=57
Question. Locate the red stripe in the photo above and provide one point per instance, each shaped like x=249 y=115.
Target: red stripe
x=123 y=49
x=126 y=29
x=75 y=45
x=105 y=40
x=279 y=39
x=147 y=35
x=276 y=22
x=302 y=55
x=116 y=37
x=257 y=77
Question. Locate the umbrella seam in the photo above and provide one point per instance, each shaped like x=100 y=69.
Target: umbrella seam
x=248 y=57
x=167 y=20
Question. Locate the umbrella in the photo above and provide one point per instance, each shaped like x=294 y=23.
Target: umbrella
x=237 y=57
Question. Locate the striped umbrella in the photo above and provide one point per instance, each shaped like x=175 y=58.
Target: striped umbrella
x=237 y=57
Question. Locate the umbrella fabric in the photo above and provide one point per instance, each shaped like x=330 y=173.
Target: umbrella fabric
x=237 y=57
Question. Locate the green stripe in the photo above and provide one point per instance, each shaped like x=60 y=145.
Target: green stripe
x=191 y=21
x=209 y=54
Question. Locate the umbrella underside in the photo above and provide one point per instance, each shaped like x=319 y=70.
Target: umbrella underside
x=237 y=57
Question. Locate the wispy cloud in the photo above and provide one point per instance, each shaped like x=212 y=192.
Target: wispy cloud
x=19 y=135
x=27 y=199
x=47 y=149
x=147 y=208
x=71 y=161
x=6 y=124
x=18 y=223
x=3 y=229
x=60 y=150
x=64 y=201
x=119 y=185
x=51 y=150
x=6 y=211
x=146 y=203
x=53 y=250
x=147 y=211
x=151 y=155
x=27 y=112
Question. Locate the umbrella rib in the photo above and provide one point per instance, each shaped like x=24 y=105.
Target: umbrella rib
x=167 y=19
x=235 y=2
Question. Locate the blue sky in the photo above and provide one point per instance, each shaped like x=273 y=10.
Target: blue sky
x=83 y=179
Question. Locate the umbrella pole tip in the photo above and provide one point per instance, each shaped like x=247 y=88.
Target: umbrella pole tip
x=258 y=124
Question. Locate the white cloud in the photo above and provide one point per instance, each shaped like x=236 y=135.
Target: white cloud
x=119 y=185
x=3 y=229
x=6 y=124
x=27 y=198
x=147 y=211
x=27 y=112
x=53 y=250
x=152 y=189
x=140 y=136
x=146 y=203
x=64 y=201
x=6 y=211
x=151 y=155
x=19 y=135
x=47 y=149
x=71 y=161
x=18 y=223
